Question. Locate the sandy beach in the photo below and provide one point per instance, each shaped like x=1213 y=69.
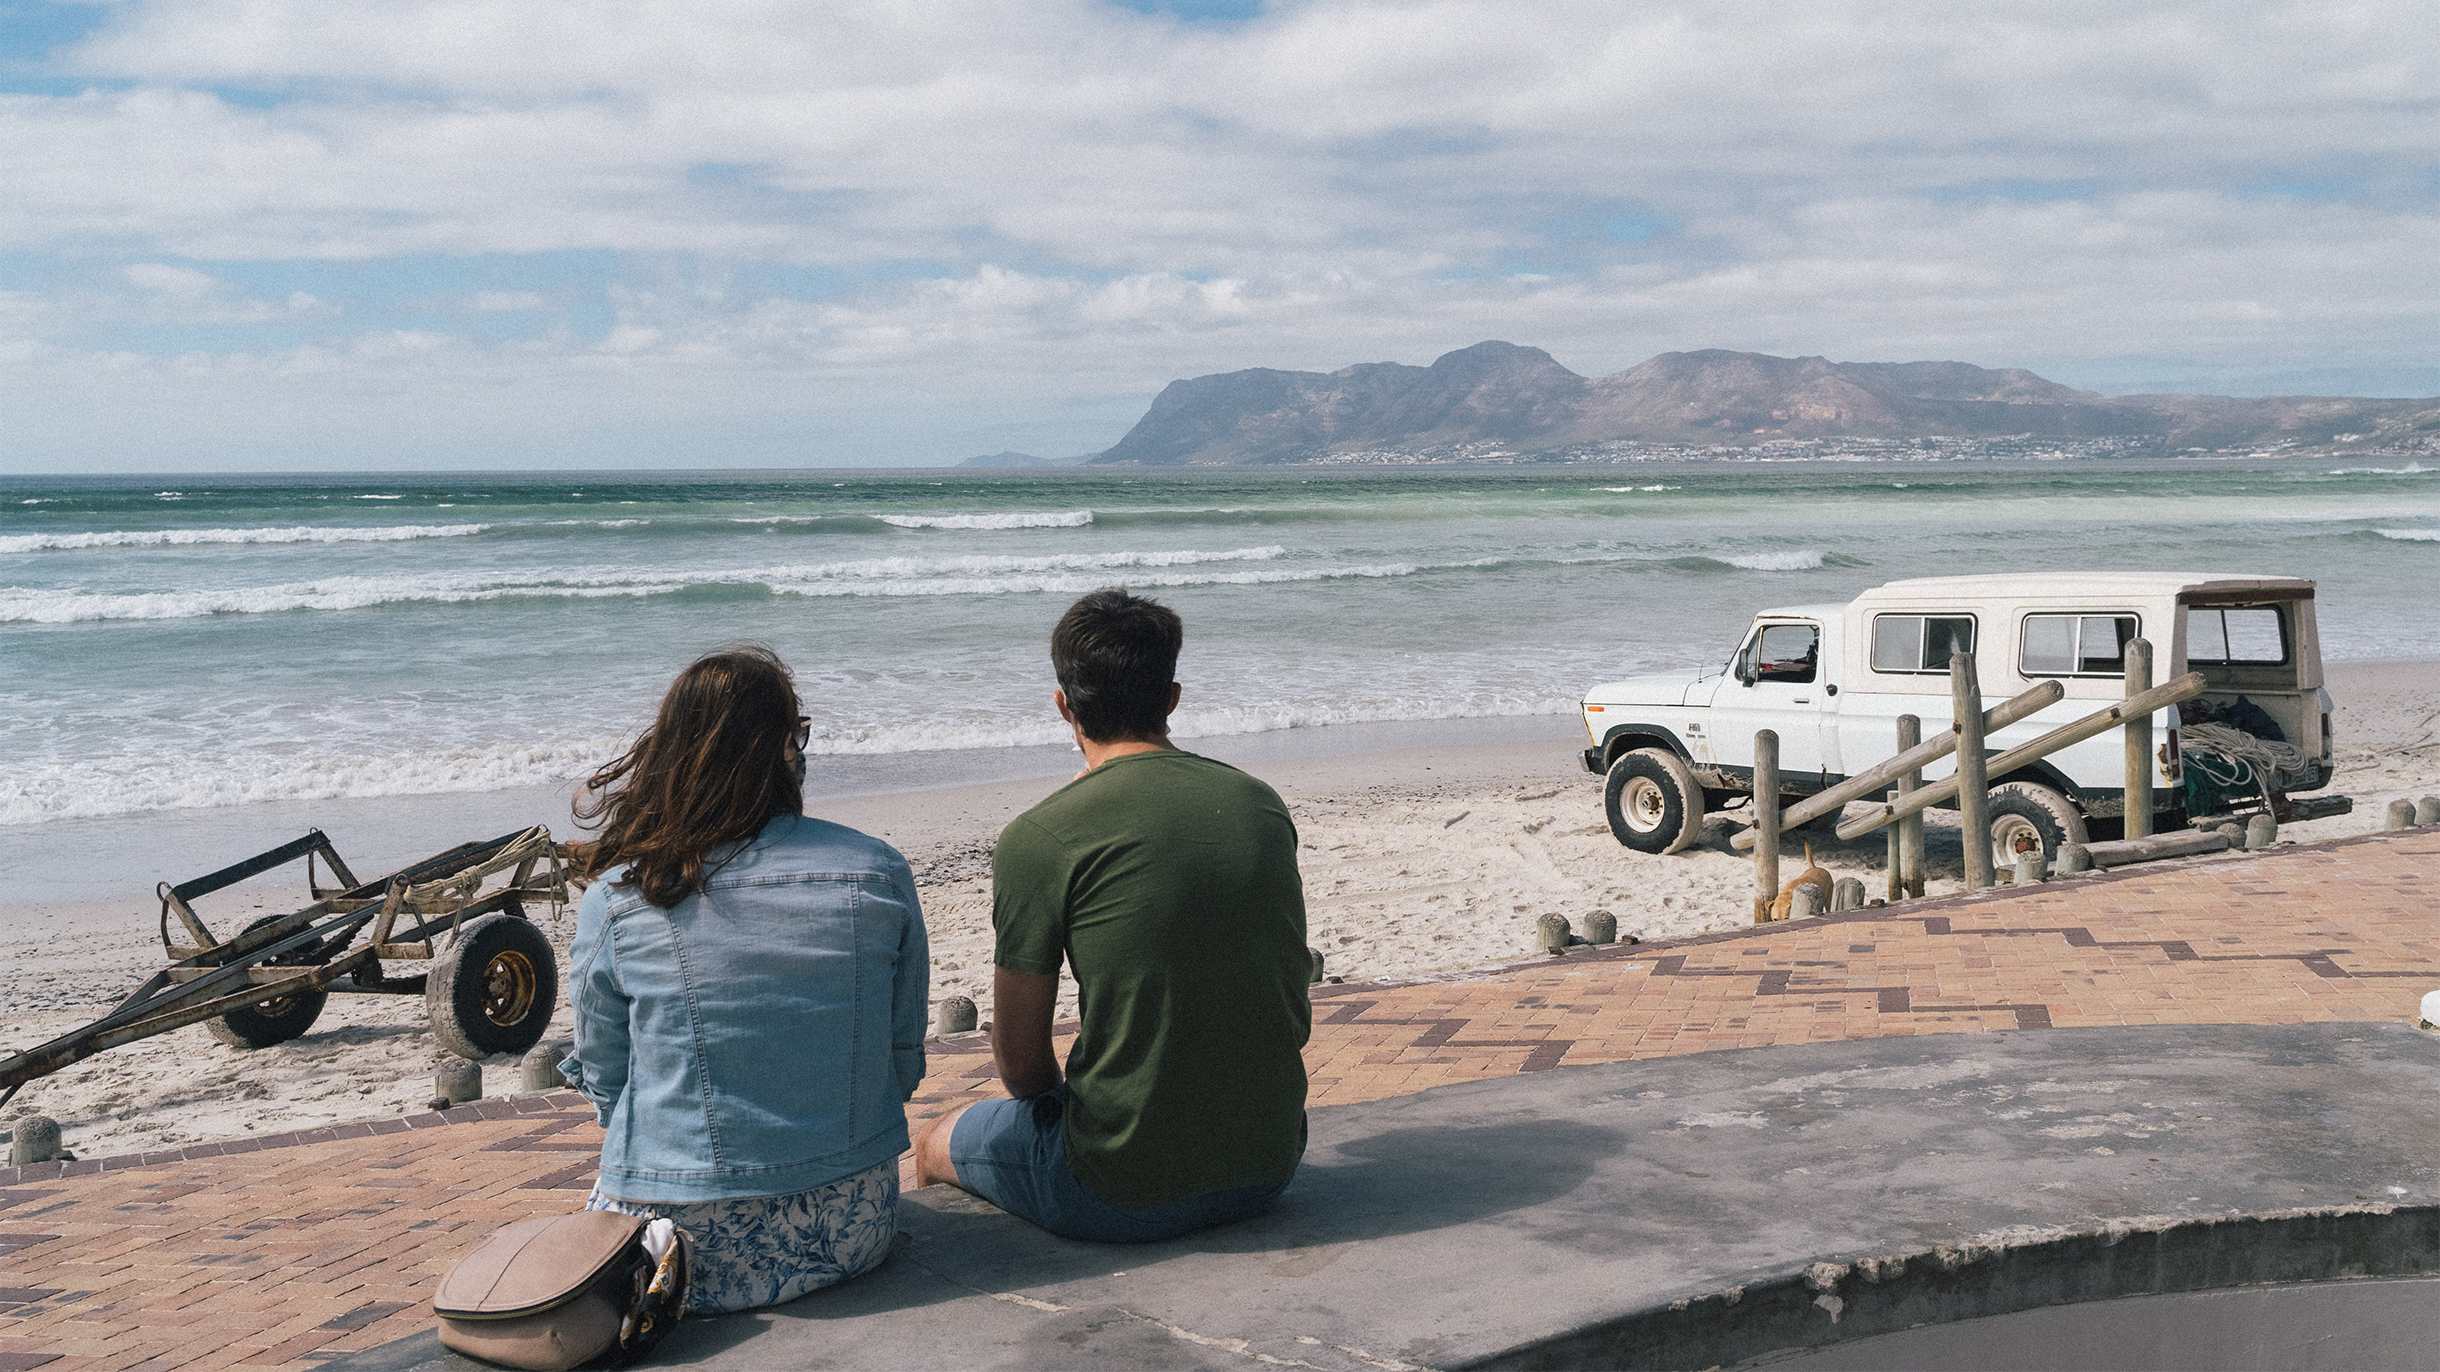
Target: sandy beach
x=1418 y=861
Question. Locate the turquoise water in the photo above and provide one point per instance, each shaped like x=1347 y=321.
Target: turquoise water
x=182 y=642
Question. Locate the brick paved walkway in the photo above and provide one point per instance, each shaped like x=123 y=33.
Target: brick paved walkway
x=277 y=1252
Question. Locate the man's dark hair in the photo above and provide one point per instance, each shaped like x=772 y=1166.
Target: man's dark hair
x=1116 y=655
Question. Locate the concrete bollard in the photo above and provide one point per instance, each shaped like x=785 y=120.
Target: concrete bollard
x=1314 y=976
x=2232 y=831
x=2427 y=810
x=1847 y=893
x=1601 y=927
x=538 y=1070
x=1806 y=902
x=36 y=1140
x=2401 y=815
x=457 y=1083
x=2261 y=831
x=2074 y=858
x=2029 y=869
x=1551 y=933
x=955 y=1015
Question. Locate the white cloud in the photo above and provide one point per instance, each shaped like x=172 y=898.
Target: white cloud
x=1062 y=199
x=169 y=294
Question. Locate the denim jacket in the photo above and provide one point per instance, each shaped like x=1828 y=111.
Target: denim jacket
x=762 y=1037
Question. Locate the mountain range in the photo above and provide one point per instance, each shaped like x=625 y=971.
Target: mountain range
x=1521 y=401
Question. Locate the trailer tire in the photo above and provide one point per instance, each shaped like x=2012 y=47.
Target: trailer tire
x=1653 y=802
x=2026 y=816
x=280 y=1018
x=492 y=990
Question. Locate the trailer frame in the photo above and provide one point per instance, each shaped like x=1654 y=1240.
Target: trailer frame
x=421 y=912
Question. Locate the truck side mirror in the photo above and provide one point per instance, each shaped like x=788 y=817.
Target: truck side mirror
x=1747 y=670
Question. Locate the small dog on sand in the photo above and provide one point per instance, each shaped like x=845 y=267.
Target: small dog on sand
x=1812 y=876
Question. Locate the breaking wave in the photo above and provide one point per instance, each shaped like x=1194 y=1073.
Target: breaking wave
x=174 y=780
x=887 y=576
x=2411 y=535
x=1793 y=560
x=1799 y=561
x=1071 y=519
x=157 y=538
x=19 y=606
x=1076 y=583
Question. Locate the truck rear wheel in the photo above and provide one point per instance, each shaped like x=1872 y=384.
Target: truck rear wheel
x=493 y=989
x=280 y=1018
x=2028 y=818
x=1653 y=801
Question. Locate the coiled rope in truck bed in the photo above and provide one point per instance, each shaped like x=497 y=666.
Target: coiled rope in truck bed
x=2237 y=761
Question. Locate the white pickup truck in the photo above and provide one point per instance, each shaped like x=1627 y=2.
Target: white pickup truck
x=1833 y=680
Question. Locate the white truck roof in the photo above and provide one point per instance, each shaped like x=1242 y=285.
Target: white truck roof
x=2083 y=585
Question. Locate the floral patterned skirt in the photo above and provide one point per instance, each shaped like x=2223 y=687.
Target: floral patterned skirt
x=766 y=1249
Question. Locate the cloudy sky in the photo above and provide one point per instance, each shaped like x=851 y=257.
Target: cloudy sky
x=264 y=234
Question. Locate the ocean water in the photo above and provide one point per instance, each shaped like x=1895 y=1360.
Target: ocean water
x=172 y=643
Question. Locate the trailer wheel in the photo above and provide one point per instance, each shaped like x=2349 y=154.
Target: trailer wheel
x=280 y=1018
x=2028 y=818
x=1653 y=802
x=493 y=989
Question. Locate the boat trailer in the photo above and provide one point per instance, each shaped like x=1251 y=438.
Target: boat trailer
x=490 y=984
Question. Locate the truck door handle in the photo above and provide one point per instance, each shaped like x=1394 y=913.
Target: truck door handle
x=1804 y=700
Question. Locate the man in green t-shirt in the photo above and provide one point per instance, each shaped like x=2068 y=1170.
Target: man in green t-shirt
x=1167 y=884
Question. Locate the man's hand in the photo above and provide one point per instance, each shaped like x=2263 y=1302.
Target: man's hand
x=1021 y=1004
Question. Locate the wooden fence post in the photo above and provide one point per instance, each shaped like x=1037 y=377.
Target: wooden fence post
x=1906 y=871
x=1973 y=784
x=2139 y=743
x=1766 y=823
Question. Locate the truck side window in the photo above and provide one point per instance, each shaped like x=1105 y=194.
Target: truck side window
x=2076 y=645
x=1919 y=643
x=2248 y=634
x=1787 y=652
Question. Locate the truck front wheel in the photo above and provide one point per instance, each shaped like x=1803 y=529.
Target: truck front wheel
x=1654 y=804
x=2028 y=818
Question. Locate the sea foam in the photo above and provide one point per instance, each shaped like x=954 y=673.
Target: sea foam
x=1800 y=560
x=156 y=538
x=888 y=576
x=1069 y=519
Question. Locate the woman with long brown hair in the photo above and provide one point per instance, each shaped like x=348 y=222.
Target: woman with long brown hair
x=748 y=985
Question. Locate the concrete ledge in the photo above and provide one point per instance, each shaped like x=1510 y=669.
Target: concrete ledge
x=1716 y=1208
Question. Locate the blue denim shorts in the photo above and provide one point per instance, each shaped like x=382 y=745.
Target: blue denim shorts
x=1013 y=1153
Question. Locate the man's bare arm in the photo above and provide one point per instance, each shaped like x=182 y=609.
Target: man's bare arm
x=1021 y=1005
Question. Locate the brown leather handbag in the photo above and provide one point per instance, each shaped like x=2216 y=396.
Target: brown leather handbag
x=553 y=1293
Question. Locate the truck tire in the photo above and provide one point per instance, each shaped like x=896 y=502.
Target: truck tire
x=1653 y=801
x=2026 y=816
x=492 y=990
x=280 y=1018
